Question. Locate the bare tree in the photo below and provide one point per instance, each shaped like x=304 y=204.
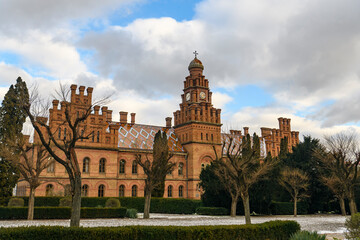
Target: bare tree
x=296 y=182
x=342 y=159
x=73 y=117
x=336 y=186
x=238 y=167
x=30 y=160
x=156 y=169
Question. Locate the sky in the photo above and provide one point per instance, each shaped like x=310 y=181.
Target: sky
x=264 y=59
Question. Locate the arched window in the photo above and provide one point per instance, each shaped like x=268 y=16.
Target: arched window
x=102 y=165
x=134 y=191
x=170 y=189
x=180 y=170
x=51 y=165
x=49 y=190
x=134 y=167
x=82 y=135
x=59 y=133
x=67 y=190
x=101 y=190
x=84 y=190
x=64 y=133
x=121 y=191
x=92 y=136
x=181 y=191
x=98 y=136
x=86 y=164
x=122 y=166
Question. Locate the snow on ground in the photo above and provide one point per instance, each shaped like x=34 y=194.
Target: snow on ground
x=321 y=223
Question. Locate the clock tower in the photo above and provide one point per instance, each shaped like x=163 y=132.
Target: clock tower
x=197 y=124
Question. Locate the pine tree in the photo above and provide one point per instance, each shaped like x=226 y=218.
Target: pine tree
x=12 y=118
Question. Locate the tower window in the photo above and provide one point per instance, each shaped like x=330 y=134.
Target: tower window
x=59 y=133
x=122 y=166
x=201 y=136
x=86 y=163
x=98 y=137
x=180 y=170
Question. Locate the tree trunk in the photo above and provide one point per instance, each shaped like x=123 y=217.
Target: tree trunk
x=295 y=207
x=147 y=204
x=31 y=204
x=234 y=201
x=246 y=203
x=342 y=206
x=352 y=204
x=76 y=202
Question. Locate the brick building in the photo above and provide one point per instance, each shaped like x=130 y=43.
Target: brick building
x=107 y=157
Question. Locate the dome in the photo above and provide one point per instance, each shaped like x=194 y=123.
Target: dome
x=196 y=63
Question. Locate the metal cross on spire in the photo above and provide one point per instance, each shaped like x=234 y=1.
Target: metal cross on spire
x=196 y=53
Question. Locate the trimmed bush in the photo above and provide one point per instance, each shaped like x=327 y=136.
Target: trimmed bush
x=60 y=213
x=279 y=230
x=352 y=225
x=112 y=203
x=287 y=208
x=158 y=205
x=212 y=211
x=305 y=235
x=131 y=213
x=16 y=202
x=65 y=202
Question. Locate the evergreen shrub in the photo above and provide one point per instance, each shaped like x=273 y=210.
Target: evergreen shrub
x=65 y=202
x=158 y=205
x=16 y=202
x=112 y=203
x=212 y=211
x=279 y=230
x=305 y=235
x=352 y=225
x=131 y=213
x=287 y=208
x=7 y=213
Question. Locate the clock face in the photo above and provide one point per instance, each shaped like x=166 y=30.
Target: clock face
x=202 y=95
x=188 y=97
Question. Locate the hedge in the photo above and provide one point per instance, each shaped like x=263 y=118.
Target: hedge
x=287 y=208
x=279 y=230
x=158 y=205
x=60 y=213
x=212 y=211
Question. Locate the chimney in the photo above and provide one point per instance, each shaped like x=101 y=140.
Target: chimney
x=55 y=104
x=109 y=116
x=246 y=131
x=123 y=117
x=132 y=118
x=81 y=90
x=168 y=122
x=96 y=109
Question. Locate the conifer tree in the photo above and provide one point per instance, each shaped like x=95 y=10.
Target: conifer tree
x=12 y=118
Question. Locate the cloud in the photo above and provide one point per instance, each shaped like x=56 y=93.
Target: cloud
x=19 y=15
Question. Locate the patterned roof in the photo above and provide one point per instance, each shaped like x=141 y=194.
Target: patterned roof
x=140 y=136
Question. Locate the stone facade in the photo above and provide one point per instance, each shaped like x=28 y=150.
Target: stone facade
x=107 y=157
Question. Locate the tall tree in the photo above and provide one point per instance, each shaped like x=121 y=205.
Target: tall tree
x=342 y=159
x=238 y=168
x=30 y=160
x=157 y=169
x=296 y=183
x=12 y=118
x=302 y=158
x=63 y=149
